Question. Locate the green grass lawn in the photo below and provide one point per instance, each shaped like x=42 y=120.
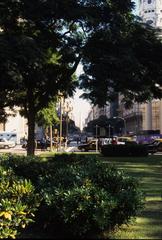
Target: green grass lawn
x=148 y=225
x=148 y=170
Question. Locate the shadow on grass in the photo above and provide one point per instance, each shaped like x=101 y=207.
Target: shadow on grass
x=148 y=171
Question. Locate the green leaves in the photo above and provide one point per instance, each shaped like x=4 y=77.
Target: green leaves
x=48 y=116
x=18 y=203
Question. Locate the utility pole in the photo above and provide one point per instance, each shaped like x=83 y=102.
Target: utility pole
x=96 y=139
x=67 y=108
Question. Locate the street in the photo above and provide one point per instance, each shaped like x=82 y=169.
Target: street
x=72 y=147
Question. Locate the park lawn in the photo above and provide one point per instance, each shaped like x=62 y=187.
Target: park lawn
x=148 y=170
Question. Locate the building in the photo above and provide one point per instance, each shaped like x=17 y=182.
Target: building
x=147 y=116
x=15 y=123
x=97 y=111
x=151 y=12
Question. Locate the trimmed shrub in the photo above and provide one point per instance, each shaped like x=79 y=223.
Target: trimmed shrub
x=18 y=203
x=132 y=150
x=79 y=194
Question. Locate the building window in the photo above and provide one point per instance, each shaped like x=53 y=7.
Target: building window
x=149 y=22
x=149 y=1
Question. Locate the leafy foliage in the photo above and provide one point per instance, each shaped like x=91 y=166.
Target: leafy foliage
x=80 y=195
x=18 y=203
x=42 y=43
x=48 y=115
x=128 y=63
x=35 y=60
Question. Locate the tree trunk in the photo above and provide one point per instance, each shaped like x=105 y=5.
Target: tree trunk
x=31 y=124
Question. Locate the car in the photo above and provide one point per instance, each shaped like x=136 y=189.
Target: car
x=91 y=145
x=155 y=146
x=126 y=140
x=40 y=144
x=4 y=143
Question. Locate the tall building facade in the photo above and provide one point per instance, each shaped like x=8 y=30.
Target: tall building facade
x=151 y=13
x=146 y=116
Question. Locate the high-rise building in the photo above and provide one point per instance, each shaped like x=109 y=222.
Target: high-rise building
x=147 y=116
x=151 y=13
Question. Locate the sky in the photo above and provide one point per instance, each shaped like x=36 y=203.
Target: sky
x=82 y=107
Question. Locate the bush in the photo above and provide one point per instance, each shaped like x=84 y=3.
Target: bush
x=125 y=190
x=80 y=194
x=132 y=150
x=18 y=203
x=87 y=196
x=81 y=209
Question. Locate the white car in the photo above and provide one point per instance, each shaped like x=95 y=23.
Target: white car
x=4 y=143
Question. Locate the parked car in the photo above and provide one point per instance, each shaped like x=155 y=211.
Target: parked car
x=126 y=140
x=91 y=145
x=40 y=144
x=4 y=143
x=155 y=146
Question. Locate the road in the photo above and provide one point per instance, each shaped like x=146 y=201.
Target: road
x=22 y=151
x=72 y=147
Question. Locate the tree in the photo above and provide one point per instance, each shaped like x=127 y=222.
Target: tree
x=95 y=125
x=43 y=41
x=129 y=64
x=35 y=62
x=47 y=117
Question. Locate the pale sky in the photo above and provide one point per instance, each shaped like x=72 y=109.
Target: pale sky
x=81 y=107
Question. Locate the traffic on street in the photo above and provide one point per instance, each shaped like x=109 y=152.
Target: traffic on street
x=78 y=145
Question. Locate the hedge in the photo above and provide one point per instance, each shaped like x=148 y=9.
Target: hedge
x=124 y=150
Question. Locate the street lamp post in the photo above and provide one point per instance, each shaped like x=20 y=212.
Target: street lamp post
x=96 y=139
x=61 y=102
x=67 y=109
x=123 y=119
x=60 y=123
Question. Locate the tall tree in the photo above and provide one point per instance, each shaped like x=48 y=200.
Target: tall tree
x=35 y=62
x=42 y=42
x=129 y=64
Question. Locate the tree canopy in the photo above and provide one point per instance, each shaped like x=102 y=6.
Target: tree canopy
x=129 y=64
x=43 y=41
x=38 y=55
